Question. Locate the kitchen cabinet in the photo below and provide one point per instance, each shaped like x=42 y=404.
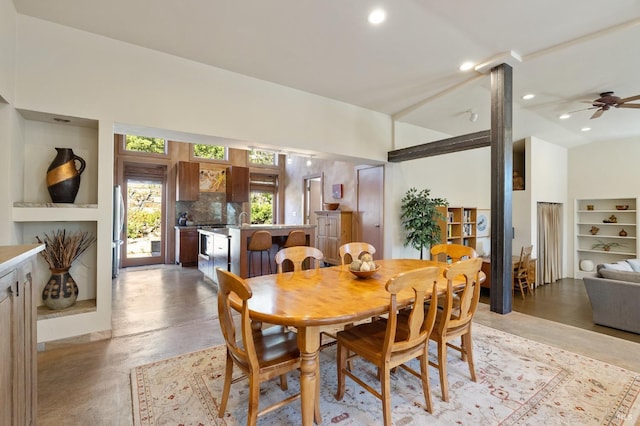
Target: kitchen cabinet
x=237 y=184
x=18 y=347
x=187 y=246
x=334 y=230
x=214 y=251
x=188 y=181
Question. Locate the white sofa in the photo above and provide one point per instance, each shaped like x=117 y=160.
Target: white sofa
x=615 y=295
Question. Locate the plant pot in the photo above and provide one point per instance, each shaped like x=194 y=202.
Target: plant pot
x=61 y=290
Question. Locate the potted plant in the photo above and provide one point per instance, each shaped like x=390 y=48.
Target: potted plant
x=61 y=249
x=605 y=246
x=420 y=218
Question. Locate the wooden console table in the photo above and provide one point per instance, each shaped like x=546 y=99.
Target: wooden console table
x=486 y=268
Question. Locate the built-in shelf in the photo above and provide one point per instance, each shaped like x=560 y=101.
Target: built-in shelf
x=592 y=213
x=54 y=212
x=80 y=307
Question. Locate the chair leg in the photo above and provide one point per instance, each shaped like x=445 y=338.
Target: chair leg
x=342 y=360
x=226 y=387
x=386 y=395
x=442 y=368
x=283 y=382
x=254 y=400
x=467 y=345
x=424 y=375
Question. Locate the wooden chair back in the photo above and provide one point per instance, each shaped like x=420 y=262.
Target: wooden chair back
x=522 y=269
x=456 y=252
x=352 y=251
x=296 y=238
x=297 y=255
x=409 y=331
x=455 y=321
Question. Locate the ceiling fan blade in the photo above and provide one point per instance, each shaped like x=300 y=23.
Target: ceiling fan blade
x=629 y=99
x=597 y=114
x=583 y=109
x=629 y=106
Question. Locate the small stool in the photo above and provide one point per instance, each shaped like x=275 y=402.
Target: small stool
x=260 y=242
x=296 y=238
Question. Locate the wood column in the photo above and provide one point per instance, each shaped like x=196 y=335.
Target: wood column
x=501 y=188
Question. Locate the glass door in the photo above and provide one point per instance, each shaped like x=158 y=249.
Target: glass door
x=145 y=203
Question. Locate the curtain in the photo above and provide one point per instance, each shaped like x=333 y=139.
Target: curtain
x=549 y=242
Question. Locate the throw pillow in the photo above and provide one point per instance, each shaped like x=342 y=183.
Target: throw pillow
x=618 y=266
x=612 y=274
x=635 y=264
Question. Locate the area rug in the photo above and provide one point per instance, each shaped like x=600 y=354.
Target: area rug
x=520 y=382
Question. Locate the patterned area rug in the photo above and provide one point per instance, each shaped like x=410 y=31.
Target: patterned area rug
x=520 y=382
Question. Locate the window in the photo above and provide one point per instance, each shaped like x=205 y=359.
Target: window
x=263 y=190
x=209 y=152
x=145 y=144
x=265 y=158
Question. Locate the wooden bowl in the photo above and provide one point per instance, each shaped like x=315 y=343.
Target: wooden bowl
x=331 y=206
x=365 y=274
x=624 y=207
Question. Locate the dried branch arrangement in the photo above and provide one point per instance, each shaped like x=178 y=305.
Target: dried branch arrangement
x=61 y=249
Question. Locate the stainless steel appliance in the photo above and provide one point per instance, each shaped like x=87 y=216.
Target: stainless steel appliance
x=118 y=224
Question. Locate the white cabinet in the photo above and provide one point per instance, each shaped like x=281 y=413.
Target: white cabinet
x=605 y=232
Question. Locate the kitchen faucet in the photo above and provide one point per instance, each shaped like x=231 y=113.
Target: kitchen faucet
x=240 y=216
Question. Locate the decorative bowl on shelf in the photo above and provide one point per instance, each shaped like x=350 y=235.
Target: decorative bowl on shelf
x=331 y=206
x=622 y=207
x=365 y=274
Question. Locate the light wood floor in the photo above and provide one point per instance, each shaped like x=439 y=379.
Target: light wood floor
x=166 y=311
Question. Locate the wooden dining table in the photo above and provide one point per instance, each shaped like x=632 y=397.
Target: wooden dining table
x=319 y=299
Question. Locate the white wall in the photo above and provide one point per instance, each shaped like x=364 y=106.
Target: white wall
x=601 y=170
x=463 y=178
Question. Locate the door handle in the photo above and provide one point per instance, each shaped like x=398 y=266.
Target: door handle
x=377 y=225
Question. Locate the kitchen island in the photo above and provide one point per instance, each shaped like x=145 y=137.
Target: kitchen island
x=240 y=236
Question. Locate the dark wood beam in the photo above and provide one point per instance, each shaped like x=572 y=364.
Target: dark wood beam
x=443 y=146
x=501 y=188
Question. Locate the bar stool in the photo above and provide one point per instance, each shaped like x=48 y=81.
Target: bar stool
x=295 y=238
x=260 y=242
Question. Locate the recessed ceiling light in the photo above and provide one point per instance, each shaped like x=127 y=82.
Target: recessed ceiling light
x=466 y=66
x=377 y=16
x=564 y=116
x=528 y=96
x=586 y=129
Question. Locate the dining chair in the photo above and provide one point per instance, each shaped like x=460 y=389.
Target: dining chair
x=455 y=319
x=455 y=252
x=521 y=271
x=390 y=343
x=352 y=251
x=260 y=354
x=297 y=255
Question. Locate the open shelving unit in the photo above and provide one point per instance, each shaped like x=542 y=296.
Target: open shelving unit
x=460 y=226
x=597 y=213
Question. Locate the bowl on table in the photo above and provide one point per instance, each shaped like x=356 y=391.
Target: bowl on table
x=365 y=274
x=622 y=207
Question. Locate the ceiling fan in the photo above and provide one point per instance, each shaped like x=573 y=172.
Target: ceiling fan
x=608 y=100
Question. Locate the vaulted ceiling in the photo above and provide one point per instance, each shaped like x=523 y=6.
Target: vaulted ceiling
x=570 y=51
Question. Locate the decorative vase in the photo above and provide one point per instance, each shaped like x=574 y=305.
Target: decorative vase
x=623 y=233
x=63 y=178
x=60 y=291
x=586 y=265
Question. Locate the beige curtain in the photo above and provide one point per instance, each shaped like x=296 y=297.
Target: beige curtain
x=549 y=264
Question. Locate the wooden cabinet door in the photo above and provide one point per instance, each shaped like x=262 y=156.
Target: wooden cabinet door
x=188 y=181
x=237 y=184
x=187 y=246
x=321 y=234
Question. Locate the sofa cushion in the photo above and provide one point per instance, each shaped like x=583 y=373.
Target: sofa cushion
x=635 y=264
x=618 y=266
x=613 y=274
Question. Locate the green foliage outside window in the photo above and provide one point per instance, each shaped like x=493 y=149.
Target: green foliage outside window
x=261 y=207
x=213 y=152
x=145 y=144
x=263 y=157
x=143 y=215
x=141 y=223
